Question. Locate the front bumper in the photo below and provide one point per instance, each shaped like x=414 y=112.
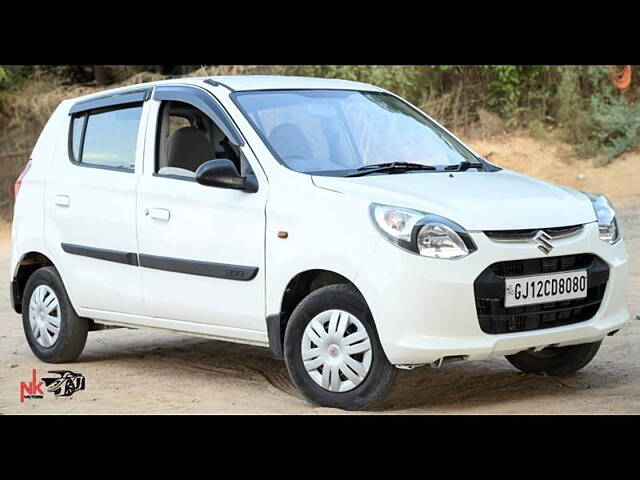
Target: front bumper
x=425 y=308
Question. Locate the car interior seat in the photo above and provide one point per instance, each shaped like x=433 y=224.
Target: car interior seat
x=189 y=148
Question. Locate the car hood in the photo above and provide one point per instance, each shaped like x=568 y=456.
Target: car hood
x=502 y=200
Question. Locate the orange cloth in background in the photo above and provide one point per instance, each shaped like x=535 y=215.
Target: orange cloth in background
x=622 y=79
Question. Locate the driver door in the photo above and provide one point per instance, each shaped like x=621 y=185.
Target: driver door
x=201 y=247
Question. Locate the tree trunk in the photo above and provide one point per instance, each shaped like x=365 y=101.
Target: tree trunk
x=100 y=75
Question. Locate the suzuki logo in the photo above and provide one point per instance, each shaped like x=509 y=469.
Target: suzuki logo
x=544 y=242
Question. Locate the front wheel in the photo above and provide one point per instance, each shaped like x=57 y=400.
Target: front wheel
x=333 y=353
x=555 y=360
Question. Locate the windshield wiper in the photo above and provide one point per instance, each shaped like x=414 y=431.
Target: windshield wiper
x=389 y=167
x=463 y=166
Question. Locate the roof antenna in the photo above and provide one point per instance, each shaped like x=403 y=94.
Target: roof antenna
x=204 y=70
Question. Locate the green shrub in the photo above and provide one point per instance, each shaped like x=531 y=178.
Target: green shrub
x=401 y=80
x=600 y=121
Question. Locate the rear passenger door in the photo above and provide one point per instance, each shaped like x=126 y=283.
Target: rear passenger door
x=90 y=203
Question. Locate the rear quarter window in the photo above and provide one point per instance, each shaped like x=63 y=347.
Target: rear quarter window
x=77 y=126
x=106 y=137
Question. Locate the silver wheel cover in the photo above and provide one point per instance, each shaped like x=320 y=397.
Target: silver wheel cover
x=336 y=350
x=44 y=316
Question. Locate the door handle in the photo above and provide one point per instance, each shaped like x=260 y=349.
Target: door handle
x=158 y=213
x=63 y=200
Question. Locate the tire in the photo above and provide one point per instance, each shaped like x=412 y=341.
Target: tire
x=555 y=360
x=72 y=333
x=333 y=307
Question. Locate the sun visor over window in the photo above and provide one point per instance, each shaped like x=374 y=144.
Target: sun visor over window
x=111 y=100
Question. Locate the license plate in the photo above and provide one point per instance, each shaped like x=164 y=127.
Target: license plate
x=551 y=287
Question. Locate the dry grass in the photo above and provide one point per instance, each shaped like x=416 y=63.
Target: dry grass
x=555 y=161
x=28 y=108
x=24 y=112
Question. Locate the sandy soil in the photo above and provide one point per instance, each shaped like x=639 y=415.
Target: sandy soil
x=129 y=371
x=557 y=163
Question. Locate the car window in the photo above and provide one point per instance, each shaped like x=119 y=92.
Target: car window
x=187 y=138
x=339 y=131
x=106 y=138
x=290 y=120
x=384 y=132
x=308 y=131
x=76 y=134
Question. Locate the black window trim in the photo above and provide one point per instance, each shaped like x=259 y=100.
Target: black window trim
x=86 y=114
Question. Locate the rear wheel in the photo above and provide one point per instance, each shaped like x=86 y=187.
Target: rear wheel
x=333 y=353
x=555 y=360
x=54 y=331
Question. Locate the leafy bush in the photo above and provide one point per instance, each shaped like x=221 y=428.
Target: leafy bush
x=402 y=80
x=510 y=87
x=600 y=121
x=10 y=75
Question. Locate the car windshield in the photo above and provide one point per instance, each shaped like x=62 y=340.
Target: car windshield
x=336 y=132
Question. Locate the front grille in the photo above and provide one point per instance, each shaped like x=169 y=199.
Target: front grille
x=528 y=234
x=489 y=294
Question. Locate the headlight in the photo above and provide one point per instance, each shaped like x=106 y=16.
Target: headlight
x=439 y=241
x=606 y=216
x=422 y=233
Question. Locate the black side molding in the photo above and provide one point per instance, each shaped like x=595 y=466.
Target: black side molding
x=191 y=267
x=275 y=334
x=128 y=258
x=195 y=267
x=112 y=100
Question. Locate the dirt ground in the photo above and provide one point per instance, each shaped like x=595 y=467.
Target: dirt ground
x=129 y=371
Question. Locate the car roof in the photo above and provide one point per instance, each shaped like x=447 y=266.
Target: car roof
x=244 y=83
x=278 y=82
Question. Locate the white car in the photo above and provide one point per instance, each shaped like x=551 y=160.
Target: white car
x=328 y=220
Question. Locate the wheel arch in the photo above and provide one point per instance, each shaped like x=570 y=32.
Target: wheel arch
x=298 y=287
x=28 y=263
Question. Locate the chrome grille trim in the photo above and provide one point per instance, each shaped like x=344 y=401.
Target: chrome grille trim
x=529 y=234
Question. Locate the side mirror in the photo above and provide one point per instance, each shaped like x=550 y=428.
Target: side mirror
x=222 y=173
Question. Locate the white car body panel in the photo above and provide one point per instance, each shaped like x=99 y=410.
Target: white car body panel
x=423 y=308
x=508 y=200
x=27 y=230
